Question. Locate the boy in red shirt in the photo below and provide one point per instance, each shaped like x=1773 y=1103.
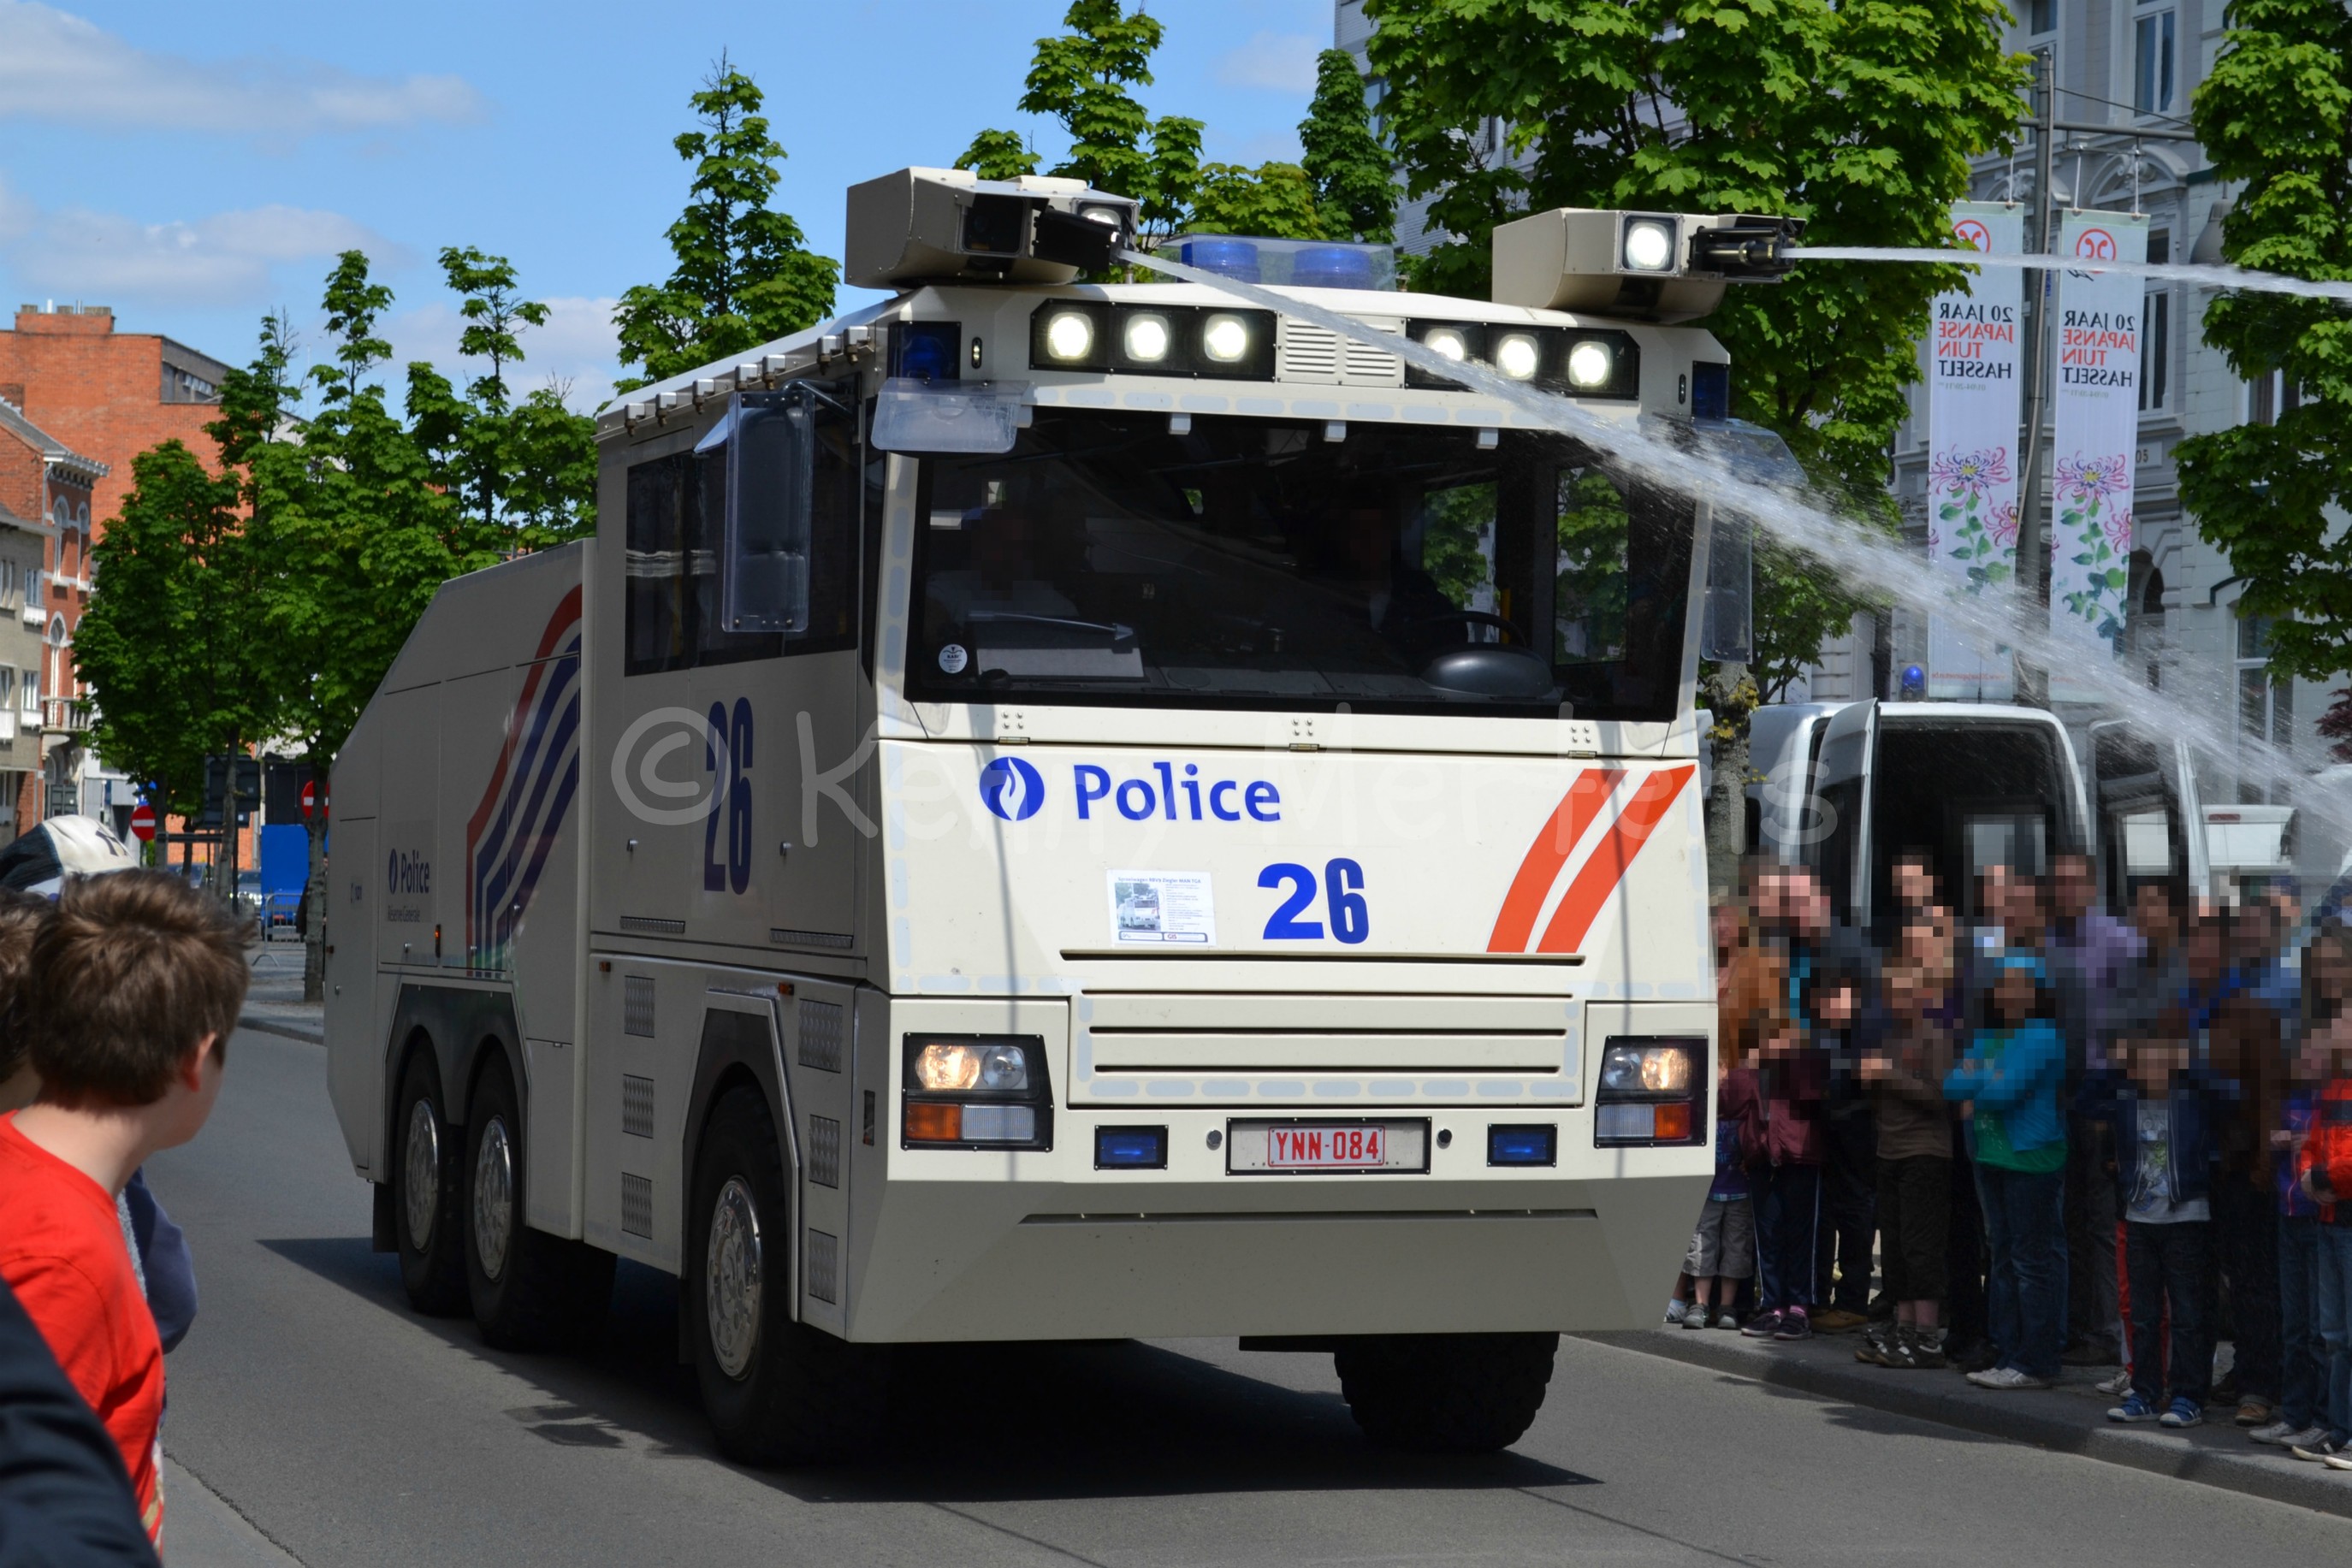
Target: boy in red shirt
x=135 y=984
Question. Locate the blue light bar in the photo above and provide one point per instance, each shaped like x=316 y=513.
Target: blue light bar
x=1523 y=1145
x=1234 y=258
x=1132 y=1148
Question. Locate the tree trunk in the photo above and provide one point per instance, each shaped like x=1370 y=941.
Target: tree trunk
x=314 y=898
x=1731 y=695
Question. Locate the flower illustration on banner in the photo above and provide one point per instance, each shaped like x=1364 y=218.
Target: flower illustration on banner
x=1976 y=540
x=2095 y=539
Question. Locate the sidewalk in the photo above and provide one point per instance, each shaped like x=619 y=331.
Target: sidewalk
x=2070 y=1418
x=274 y=1004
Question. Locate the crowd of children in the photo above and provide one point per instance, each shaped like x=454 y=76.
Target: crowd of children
x=2055 y=1136
x=117 y=1001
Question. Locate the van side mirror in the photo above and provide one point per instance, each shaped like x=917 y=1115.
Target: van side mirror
x=771 y=453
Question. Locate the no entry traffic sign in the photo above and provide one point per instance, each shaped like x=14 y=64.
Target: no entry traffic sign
x=142 y=822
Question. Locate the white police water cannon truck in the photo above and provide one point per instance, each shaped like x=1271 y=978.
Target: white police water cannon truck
x=1054 y=810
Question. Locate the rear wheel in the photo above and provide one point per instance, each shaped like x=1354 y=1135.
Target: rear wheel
x=777 y=1392
x=529 y=1289
x=424 y=1193
x=1446 y=1393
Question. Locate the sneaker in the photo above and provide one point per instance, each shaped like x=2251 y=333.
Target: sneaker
x=2286 y=1438
x=1724 y=1318
x=1877 y=1346
x=1763 y=1325
x=2007 y=1377
x=1675 y=1312
x=1837 y=1320
x=2319 y=1451
x=2255 y=1412
x=2339 y=1460
x=2133 y=1409
x=2271 y=1433
x=1794 y=1325
x=1922 y=1351
x=2184 y=1414
x=1695 y=1318
x=2119 y=1384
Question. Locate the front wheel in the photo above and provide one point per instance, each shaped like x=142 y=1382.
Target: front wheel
x=424 y=1193
x=777 y=1392
x=529 y=1290
x=1446 y=1393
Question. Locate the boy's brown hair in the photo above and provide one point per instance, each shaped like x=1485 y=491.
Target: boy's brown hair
x=133 y=970
x=22 y=915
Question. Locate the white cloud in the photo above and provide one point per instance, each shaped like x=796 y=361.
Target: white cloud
x=223 y=259
x=57 y=68
x=1282 y=62
x=577 y=348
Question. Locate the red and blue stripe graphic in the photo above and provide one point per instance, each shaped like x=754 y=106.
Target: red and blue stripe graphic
x=513 y=830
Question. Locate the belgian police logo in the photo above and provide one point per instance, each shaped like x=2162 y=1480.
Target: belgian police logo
x=1011 y=788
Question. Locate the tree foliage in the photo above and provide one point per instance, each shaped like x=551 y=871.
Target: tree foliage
x=744 y=274
x=1084 y=79
x=1858 y=117
x=2276 y=114
x=1354 y=181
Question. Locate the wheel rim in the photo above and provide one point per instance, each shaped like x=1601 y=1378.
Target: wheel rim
x=421 y=1177
x=493 y=1198
x=731 y=1287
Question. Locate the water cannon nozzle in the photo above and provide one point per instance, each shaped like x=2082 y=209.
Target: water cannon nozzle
x=1746 y=249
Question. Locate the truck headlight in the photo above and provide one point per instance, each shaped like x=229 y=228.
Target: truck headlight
x=1225 y=339
x=1652 y=1091
x=1649 y=244
x=977 y=1092
x=1517 y=356
x=1590 y=364
x=1070 y=335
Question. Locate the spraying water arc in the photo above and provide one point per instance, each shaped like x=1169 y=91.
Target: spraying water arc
x=1807 y=522
x=2197 y=274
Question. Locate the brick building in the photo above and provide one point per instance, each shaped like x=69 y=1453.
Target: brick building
x=45 y=489
x=100 y=397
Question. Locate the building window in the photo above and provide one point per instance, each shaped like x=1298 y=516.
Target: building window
x=2153 y=58
x=2155 y=331
x=2041 y=16
x=2269 y=397
x=2265 y=707
x=28 y=690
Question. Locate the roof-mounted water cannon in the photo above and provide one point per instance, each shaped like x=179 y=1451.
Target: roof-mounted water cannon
x=938 y=225
x=1638 y=266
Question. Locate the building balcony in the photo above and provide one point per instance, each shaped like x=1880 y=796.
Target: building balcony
x=64 y=715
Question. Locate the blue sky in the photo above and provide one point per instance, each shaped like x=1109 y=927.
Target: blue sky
x=195 y=165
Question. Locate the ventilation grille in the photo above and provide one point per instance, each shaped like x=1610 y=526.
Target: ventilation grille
x=1368 y=366
x=637 y=1106
x=1307 y=354
x=784 y=936
x=825 y=1151
x=825 y=1267
x=653 y=925
x=637 y=1205
x=637 y=1005
x=821 y=1034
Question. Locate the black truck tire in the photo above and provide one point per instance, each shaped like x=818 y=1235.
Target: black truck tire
x=777 y=1392
x=424 y=1193
x=529 y=1290
x=1446 y=1393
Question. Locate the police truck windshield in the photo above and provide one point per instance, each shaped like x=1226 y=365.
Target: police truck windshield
x=1110 y=559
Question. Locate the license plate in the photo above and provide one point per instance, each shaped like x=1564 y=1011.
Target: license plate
x=1312 y=1148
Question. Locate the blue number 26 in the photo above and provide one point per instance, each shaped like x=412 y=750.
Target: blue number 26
x=1351 y=919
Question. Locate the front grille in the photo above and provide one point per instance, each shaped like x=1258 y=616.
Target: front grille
x=1368 y=366
x=653 y=925
x=1304 y=353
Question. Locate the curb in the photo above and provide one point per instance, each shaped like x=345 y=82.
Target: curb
x=2036 y=1419
x=279 y=1027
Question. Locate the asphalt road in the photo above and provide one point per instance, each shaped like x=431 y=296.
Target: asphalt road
x=314 y=1416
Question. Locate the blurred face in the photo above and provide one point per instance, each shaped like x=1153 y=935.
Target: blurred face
x=2012 y=994
x=1914 y=885
x=2152 y=912
x=1837 y=1004
x=2206 y=951
x=1726 y=928
x=1992 y=891
x=2154 y=1062
x=1807 y=908
x=2073 y=888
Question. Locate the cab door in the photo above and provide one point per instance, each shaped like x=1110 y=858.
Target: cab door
x=2147 y=816
x=1842 y=787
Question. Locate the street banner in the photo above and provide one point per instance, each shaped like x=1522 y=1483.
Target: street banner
x=2096 y=432
x=1972 y=424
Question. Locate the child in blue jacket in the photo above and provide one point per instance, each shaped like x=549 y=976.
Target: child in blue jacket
x=2011 y=1077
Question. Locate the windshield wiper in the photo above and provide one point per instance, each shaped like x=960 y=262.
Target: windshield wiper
x=1122 y=638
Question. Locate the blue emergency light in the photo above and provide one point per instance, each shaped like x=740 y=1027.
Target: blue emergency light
x=1132 y=1148
x=1525 y=1145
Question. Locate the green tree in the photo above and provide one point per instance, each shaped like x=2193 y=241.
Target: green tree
x=2275 y=115
x=1276 y=199
x=1353 y=176
x=999 y=155
x=1858 y=116
x=744 y=274
x=164 y=643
